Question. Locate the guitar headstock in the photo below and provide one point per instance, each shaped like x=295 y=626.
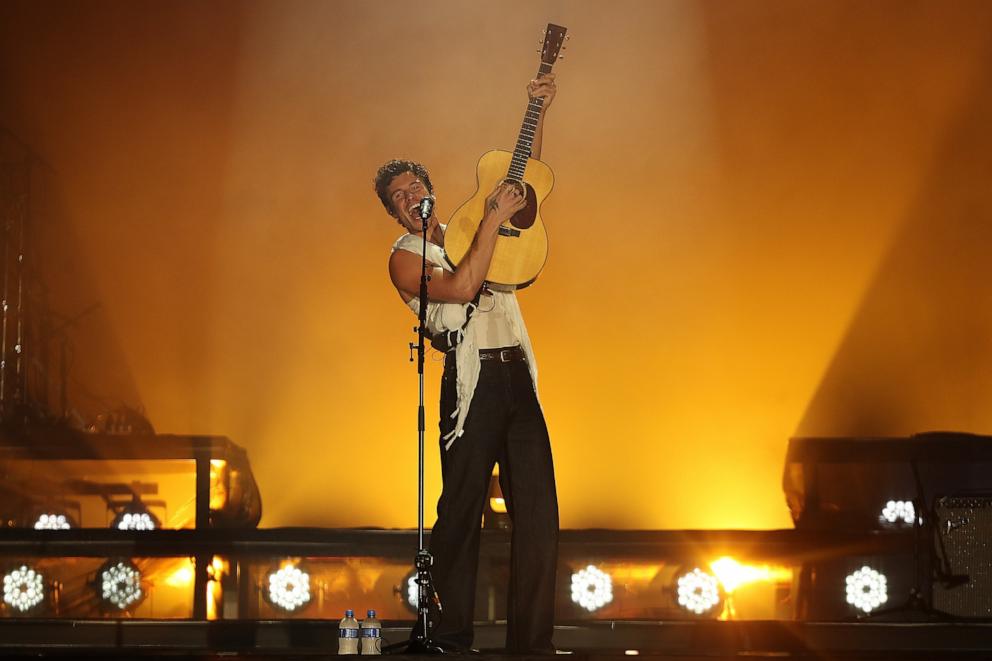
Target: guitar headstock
x=554 y=40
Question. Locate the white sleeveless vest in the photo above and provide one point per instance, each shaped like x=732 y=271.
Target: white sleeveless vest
x=443 y=317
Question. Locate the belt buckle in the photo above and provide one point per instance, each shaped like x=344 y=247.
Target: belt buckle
x=505 y=355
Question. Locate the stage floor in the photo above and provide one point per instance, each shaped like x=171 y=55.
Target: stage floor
x=592 y=641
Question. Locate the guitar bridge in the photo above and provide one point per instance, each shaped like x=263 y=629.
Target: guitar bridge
x=508 y=231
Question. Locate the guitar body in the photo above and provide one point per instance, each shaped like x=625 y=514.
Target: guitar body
x=522 y=244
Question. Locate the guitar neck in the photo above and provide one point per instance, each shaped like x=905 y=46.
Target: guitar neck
x=527 y=130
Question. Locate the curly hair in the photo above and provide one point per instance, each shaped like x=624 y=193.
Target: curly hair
x=392 y=169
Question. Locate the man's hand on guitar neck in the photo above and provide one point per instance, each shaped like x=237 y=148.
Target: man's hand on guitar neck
x=544 y=88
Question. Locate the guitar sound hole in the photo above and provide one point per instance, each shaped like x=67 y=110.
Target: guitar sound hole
x=524 y=218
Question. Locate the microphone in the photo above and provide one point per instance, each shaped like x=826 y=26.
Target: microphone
x=426 y=207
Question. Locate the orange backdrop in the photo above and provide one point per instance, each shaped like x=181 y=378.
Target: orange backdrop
x=770 y=218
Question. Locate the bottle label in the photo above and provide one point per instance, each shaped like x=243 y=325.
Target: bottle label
x=369 y=632
x=347 y=633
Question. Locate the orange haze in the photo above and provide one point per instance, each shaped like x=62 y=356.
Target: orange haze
x=770 y=218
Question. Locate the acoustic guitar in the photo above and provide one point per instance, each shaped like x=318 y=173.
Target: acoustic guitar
x=522 y=243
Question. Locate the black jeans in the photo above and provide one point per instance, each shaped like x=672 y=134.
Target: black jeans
x=504 y=425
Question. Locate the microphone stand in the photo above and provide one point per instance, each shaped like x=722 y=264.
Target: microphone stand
x=420 y=638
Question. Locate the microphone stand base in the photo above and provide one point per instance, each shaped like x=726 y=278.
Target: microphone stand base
x=418 y=644
x=422 y=647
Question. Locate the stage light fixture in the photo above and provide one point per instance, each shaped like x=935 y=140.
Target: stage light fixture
x=23 y=588
x=496 y=501
x=732 y=574
x=592 y=588
x=53 y=521
x=412 y=592
x=135 y=516
x=289 y=588
x=867 y=589
x=183 y=575
x=495 y=515
x=119 y=584
x=698 y=592
x=898 y=513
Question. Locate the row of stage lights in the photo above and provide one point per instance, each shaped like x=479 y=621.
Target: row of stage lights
x=117 y=584
x=701 y=592
x=698 y=592
x=133 y=516
x=289 y=588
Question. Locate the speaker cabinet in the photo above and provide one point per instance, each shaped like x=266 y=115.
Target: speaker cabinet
x=964 y=527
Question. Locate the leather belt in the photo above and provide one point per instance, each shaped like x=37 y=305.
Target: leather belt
x=508 y=355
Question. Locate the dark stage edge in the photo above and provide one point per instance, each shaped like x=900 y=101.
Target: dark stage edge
x=592 y=641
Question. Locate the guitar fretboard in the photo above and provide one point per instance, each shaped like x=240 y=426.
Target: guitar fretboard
x=526 y=138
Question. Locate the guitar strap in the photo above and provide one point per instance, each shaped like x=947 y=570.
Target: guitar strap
x=448 y=340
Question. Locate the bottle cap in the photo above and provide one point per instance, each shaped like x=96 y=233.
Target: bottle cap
x=349 y=613
x=371 y=613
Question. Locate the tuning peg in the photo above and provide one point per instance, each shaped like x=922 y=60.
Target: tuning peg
x=567 y=37
x=561 y=57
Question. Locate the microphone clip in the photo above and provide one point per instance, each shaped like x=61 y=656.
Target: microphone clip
x=426 y=207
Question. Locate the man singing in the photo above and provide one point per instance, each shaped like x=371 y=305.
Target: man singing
x=489 y=411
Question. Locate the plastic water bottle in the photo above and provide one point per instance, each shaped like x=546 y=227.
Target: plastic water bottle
x=348 y=634
x=371 y=634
